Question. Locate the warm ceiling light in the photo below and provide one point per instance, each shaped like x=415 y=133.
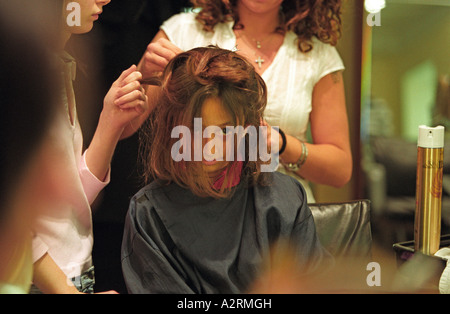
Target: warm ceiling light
x=374 y=6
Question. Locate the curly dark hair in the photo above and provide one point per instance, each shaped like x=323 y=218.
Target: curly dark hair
x=306 y=18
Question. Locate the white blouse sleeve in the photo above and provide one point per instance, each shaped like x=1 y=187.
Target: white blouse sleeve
x=328 y=59
x=184 y=31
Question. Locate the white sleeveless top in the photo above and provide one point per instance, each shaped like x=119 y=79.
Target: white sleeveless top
x=290 y=79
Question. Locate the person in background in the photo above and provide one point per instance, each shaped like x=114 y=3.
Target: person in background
x=32 y=177
x=116 y=41
x=206 y=226
x=63 y=239
x=290 y=43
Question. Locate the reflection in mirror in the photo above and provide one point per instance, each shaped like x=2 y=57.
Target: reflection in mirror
x=411 y=51
x=406 y=75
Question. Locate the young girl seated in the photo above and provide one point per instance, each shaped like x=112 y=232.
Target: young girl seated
x=207 y=225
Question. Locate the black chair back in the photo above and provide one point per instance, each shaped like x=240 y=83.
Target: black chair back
x=344 y=228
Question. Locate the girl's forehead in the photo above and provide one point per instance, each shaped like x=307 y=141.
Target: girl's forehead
x=214 y=113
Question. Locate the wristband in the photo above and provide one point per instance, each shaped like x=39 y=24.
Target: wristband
x=283 y=146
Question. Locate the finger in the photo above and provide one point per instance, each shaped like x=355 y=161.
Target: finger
x=169 y=46
x=167 y=54
x=132 y=77
x=128 y=115
x=130 y=97
x=126 y=73
x=108 y=292
x=158 y=63
x=163 y=50
x=137 y=105
x=128 y=88
x=170 y=51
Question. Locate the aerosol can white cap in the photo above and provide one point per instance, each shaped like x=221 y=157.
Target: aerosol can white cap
x=431 y=137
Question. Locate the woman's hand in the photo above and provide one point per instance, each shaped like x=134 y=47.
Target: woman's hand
x=271 y=142
x=158 y=54
x=108 y=292
x=125 y=101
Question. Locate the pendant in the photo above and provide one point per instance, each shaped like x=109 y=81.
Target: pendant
x=259 y=61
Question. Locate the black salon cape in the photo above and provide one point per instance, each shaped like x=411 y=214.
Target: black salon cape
x=176 y=242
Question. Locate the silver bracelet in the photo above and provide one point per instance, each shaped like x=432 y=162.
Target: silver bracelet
x=294 y=167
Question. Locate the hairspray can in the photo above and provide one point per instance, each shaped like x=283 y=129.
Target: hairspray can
x=430 y=166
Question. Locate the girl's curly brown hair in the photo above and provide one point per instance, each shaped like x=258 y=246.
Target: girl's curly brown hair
x=306 y=18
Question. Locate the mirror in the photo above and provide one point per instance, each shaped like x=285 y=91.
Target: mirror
x=406 y=76
x=410 y=59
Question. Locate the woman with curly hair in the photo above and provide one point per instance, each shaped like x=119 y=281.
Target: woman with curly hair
x=291 y=45
x=208 y=226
